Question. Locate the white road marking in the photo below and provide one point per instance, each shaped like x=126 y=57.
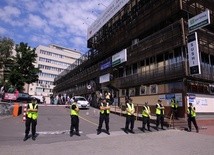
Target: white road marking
x=55 y=132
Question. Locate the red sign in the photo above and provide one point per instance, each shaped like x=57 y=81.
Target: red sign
x=10 y=96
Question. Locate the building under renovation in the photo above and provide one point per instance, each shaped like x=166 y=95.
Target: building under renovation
x=148 y=50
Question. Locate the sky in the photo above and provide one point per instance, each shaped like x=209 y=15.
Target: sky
x=44 y=22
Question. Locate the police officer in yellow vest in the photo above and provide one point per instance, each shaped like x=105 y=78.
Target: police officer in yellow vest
x=174 y=108
x=160 y=115
x=31 y=119
x=191 y=113
x=130 y=117
x=104 y=116
x=74 y=118
x=146 y=117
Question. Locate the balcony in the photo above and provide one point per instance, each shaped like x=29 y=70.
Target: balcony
x=166 y=73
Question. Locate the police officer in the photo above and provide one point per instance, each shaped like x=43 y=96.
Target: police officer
x=191 y=113
x=160 y=115
x=174 y=108
x=74 y=118
x=130 y=117
x=146 y=117
x=104 y=116
x=31 y=119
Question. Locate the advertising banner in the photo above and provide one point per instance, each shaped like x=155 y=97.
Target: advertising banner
x=193 y=54
x=199 y=21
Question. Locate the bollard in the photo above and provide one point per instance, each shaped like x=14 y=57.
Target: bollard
x=24 y=113
x=16 y=110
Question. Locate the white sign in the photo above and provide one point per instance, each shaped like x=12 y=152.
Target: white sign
x=193 y=53
x=199 y=21
x=105 y=78
x=111 y=10
x=119 y=58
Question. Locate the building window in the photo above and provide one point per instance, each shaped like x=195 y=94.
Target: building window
x=153 y=89
x=142 y=90
x=132 y=92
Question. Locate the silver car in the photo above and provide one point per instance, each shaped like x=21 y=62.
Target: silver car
x=81 y=102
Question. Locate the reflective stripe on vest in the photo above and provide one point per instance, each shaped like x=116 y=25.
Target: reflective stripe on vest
x=74 y=112
x=193 y=113
x=130 y=108
x=146 y=111
x=174 y=104
x=102 y=111
x=33 y=115
x=158 y=109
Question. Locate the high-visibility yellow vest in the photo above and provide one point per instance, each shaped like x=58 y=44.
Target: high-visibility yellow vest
x=130 y=108
x=73 y=111
x=146 y=111
x=102 y=111
x=33 y=115
x=174 y=104
x=158 y=109
x=193 y=112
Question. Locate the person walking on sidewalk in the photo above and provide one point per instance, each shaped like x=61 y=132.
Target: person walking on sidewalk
x=130 y=117
x=31 y=119
x=104 y=116
x=191 y=113
x=146 y=117
x=160 y=115
x=74 y=119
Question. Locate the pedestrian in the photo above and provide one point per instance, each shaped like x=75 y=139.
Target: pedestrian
x=104 y=116
x=74 y=118
x=160 y=115
x=31 y=119
x=130 y=117
x=146 y=117
x=174 y=108
x=191 y=113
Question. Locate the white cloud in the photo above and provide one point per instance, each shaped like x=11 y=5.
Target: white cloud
x=2 y=31
x=41 y=40
x=63 y=22
x=36 y=21
x=10 y=14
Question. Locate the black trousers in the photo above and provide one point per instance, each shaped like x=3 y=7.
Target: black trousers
x=193 y=120
x=175 y=113
x=130 y=120
x=146 y=120
x=159 y=120
x=103 y=117
x=74 y=124
x=30 y=122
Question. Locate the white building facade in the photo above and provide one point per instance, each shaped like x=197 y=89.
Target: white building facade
x=51 y=60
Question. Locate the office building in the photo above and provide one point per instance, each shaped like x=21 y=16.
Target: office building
x=51 y=60
x=147 y=50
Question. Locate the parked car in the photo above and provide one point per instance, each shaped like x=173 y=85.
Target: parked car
x=22 y=97
x=81 y=102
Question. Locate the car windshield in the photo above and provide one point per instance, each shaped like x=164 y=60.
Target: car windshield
x=81 y=99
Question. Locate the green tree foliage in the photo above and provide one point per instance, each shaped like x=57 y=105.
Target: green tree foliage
x=6 y=46
x=24 y=70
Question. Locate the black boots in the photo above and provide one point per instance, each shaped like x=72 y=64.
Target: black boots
x=25 y=138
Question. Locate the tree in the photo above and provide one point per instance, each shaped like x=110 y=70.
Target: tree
x=23 y=70
x=6 y=46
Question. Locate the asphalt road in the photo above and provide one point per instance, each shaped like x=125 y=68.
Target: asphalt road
x=53 y=137
x=54 y=124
